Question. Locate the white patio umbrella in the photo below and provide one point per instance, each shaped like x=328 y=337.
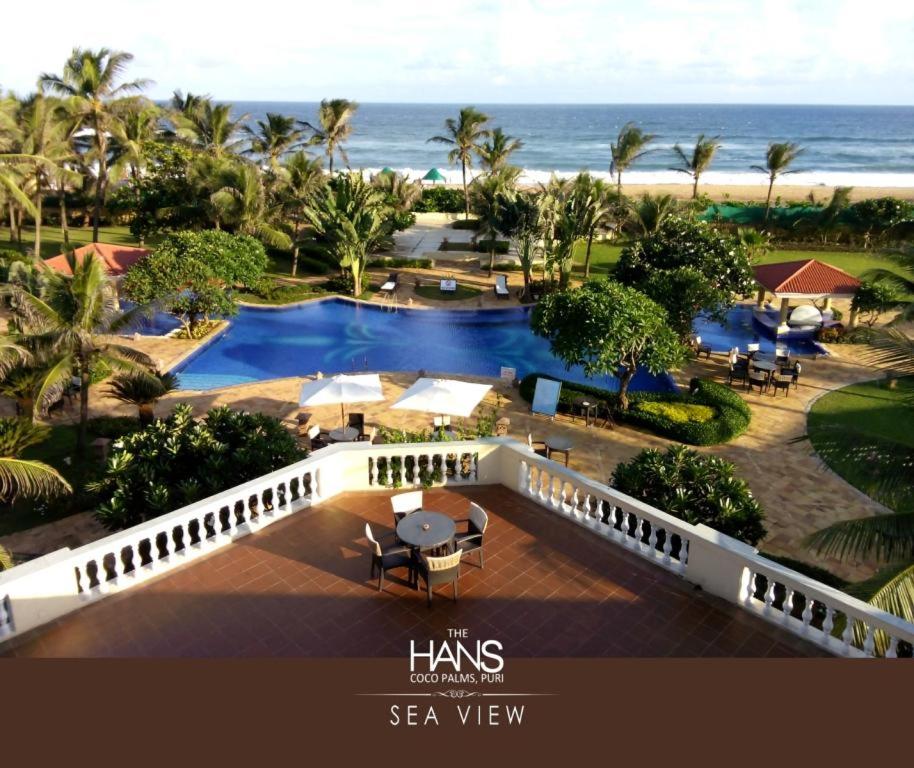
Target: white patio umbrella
x=442 y=396
x=342 y=389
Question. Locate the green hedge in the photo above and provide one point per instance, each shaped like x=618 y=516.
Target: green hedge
x=309 y=266
x=501 y=246
x=733 y=415
x=472 y=224
x=440 y=200
x=388 y=261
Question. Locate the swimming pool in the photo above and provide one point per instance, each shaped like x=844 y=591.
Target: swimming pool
x=740 y=328
x=338 y=336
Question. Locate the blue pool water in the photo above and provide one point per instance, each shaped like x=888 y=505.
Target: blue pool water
x=338 y=336
x=741 y=327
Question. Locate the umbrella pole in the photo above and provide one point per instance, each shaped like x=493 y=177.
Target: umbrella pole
x=342 y=417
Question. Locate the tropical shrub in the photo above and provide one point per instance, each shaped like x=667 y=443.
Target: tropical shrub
x=687 y=267
x=487 y=246
x=607 y=328
x=192 y=274
x=440 y=200
x=344 y=282
x=873 y=298
x=388 y=261
x=468 y=224
x=695 y=488
x=178 y=460
x=680 y=417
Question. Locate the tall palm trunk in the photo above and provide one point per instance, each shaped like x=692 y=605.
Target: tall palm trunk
x=101 y=141
x=695 y=188
x=587 y=254
x=492 y=258
x=330 y=158
x=619 y=183
x=135 y=174
x=466 y=192
x=768 y=199
x=12 y=222
x=38 y=215
x=295 y=247
x=82 y=435
x=64 y=225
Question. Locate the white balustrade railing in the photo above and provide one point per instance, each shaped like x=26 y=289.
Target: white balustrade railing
x=44 y=589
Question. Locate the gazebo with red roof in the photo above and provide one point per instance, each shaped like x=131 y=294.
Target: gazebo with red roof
x=117 y=259
x=806 y=279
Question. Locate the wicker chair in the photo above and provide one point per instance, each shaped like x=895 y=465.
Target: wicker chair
x=472 y=539
x=386 y=558
x=436 y=571
x=537 y=446
x=738 y=372
x=404 y=504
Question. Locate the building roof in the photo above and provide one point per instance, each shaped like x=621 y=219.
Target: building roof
x=116 y=258
x=806 y=278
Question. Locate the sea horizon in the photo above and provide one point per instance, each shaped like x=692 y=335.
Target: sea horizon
x=845 y=145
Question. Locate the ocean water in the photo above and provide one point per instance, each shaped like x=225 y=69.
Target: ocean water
x=857 y=146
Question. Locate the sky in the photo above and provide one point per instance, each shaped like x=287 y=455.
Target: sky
x=478 y=51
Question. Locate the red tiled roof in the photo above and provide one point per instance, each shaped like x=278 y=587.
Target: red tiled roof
x=116 y=258
x=809 y=276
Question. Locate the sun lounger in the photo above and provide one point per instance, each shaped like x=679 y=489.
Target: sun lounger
x=448 y=286
x=501 y=287
x=391 y=285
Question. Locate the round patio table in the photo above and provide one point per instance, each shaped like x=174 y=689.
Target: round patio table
x=764 y=366
x=587 y=408
x=344 y=434
x=411 y=530
x=560 y=444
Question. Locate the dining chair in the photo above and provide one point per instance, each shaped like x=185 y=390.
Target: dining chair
x=537 y=446
x=386 y=558
x=404 y=504
x=472 y=539
x=357 y=421
x=436 y=571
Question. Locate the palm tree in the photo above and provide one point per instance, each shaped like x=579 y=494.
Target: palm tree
x=348 y=212
x=22 y=384
x=702 y=155
x=522 y=221
x=756 y=243
x=210 y=127
x=593 y=202
x=275 y=137
x=301 y=180
x=133 y=136
x=778 y=159
x=69 y=325
x=465 y=135
x=142 y=389
x=400 y=193
x=240 y=200
x=487 y=199
x=651 y=210
x=14 y=165
x=334 y=118
x=630 y=145
x=94 y=99
x=19 y=477
x=494 y=153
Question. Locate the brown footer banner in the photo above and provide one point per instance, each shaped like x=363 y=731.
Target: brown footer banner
x=472 y=707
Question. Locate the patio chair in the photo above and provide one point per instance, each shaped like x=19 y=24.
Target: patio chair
x=317 y=439
x=752 y=349
x=501 y=287
x=781 y=382
x=367 y=435
x=537 y=446
x=404 y=504
x=441 y=422
x=605 y=414
x=393 y=280
x=781 y=355
x=758 y=379
x=386 y=558
x=476 y=528
x=701 y=347
x=357 y=421
x=738 y=372
x=436 y=571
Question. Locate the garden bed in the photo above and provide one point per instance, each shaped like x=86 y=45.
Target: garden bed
x=711 y=414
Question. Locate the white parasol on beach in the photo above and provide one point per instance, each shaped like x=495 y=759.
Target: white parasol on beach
x=442 y=396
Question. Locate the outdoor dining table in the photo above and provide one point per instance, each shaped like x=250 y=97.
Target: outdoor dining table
x=344 y=434
x=558 y=444
x=426 y=530
x=764 y=366
x=587 y=408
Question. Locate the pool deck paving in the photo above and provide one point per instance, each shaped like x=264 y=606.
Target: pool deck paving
x=798 y=492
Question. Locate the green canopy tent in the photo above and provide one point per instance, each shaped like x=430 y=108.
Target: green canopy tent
x=434 y=175
x=386 y=171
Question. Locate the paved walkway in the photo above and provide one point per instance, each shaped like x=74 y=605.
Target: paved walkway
x=301 y=588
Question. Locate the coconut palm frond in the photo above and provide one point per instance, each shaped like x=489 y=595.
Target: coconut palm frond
x=888 y=537
x=891 y=348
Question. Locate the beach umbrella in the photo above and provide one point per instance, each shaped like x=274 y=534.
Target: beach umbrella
x=343 y=389
x=434 y=175
x=386 y=171
x=442 y=396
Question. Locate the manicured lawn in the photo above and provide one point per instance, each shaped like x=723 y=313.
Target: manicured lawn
x=603 y=258
x=282 y=294
x=52 y=240
x=434 y=292
x=865 y=433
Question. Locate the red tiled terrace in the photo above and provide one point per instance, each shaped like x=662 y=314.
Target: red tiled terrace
x=301 y=588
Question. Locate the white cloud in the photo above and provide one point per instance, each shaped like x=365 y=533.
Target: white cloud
x=526 y=50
